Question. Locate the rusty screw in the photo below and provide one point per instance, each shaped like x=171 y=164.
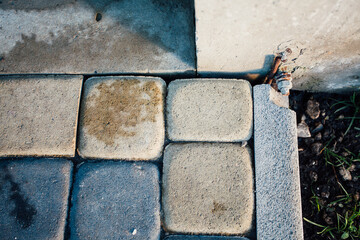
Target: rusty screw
x=284 y=76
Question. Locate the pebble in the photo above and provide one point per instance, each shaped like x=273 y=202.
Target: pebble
x=319 y=128
x=352 y=168
x=357 y=196
x=345 y=154
x=325 y=194
x=309 y=141
x=316 y=148
x=303 y=130
x=318 y=137
x=345 y=173
x=327 y=133
x=313 y=109
x=314 y=163
x=328 y=219
x=325 y=191
x=313 y=176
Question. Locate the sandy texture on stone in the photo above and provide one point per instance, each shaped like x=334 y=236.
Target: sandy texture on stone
x=122 y=118
x=38 y=115
x=116 y=200
x=34 y=198
x=278 y=198
x=208 y=188
x=209 y=110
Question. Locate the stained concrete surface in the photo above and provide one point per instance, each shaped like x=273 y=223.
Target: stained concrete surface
x=34 y=198
x=209 y=110
x=237 y=38
x=208 y=189
x=89 y=36
x=38 y=115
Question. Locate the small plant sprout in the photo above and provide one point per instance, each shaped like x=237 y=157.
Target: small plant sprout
x=353 y=104
x=315 y=200
x=337 y=160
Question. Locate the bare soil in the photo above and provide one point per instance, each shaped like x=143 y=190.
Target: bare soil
x=323 y=183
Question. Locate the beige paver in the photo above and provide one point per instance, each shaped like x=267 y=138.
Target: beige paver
x=38 y=115
x=208 y=188
x=122 y=118
x=209 y=110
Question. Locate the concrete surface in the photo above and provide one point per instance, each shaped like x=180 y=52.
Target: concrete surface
x=207 y=188
x=34 y=198
x=209 y=110
x=184 y=237
x=278 y=198
x=97 y=36
x=38 y=115
x=122 y=118
x=238 y=38
x=116 y=200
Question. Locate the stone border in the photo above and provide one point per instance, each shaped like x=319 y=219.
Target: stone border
x=278 y=198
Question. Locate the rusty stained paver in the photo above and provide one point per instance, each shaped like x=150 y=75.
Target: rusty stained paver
x=122 y=118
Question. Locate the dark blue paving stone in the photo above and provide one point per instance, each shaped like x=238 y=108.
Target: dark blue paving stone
x=116 y=200
x=34 y=198
x=184 y=237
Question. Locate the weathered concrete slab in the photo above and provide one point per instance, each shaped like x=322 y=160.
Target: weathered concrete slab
x=208 y=188
x=184 y=237
x=116 y=200
x=278 y=198
x=240 y=37
x=209 y=110
x=101 y=36
x=122 y=118
x=38 y=115
x=34 y=198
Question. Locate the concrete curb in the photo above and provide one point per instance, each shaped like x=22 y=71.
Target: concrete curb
x=278 y=198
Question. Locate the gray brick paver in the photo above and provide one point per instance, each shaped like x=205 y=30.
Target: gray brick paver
x=34 y=198
x=116 y=200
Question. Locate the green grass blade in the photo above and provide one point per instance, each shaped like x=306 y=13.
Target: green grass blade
x=313 y=223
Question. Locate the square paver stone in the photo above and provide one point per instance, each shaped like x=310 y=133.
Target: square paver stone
x=122 y=118
x=208 y=188
x=101 y=36
x=34 y=198
x=38 y=115
x=116 y=200
x=209 y=110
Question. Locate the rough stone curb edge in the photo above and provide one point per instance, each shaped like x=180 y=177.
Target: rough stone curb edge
x=278 y=198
